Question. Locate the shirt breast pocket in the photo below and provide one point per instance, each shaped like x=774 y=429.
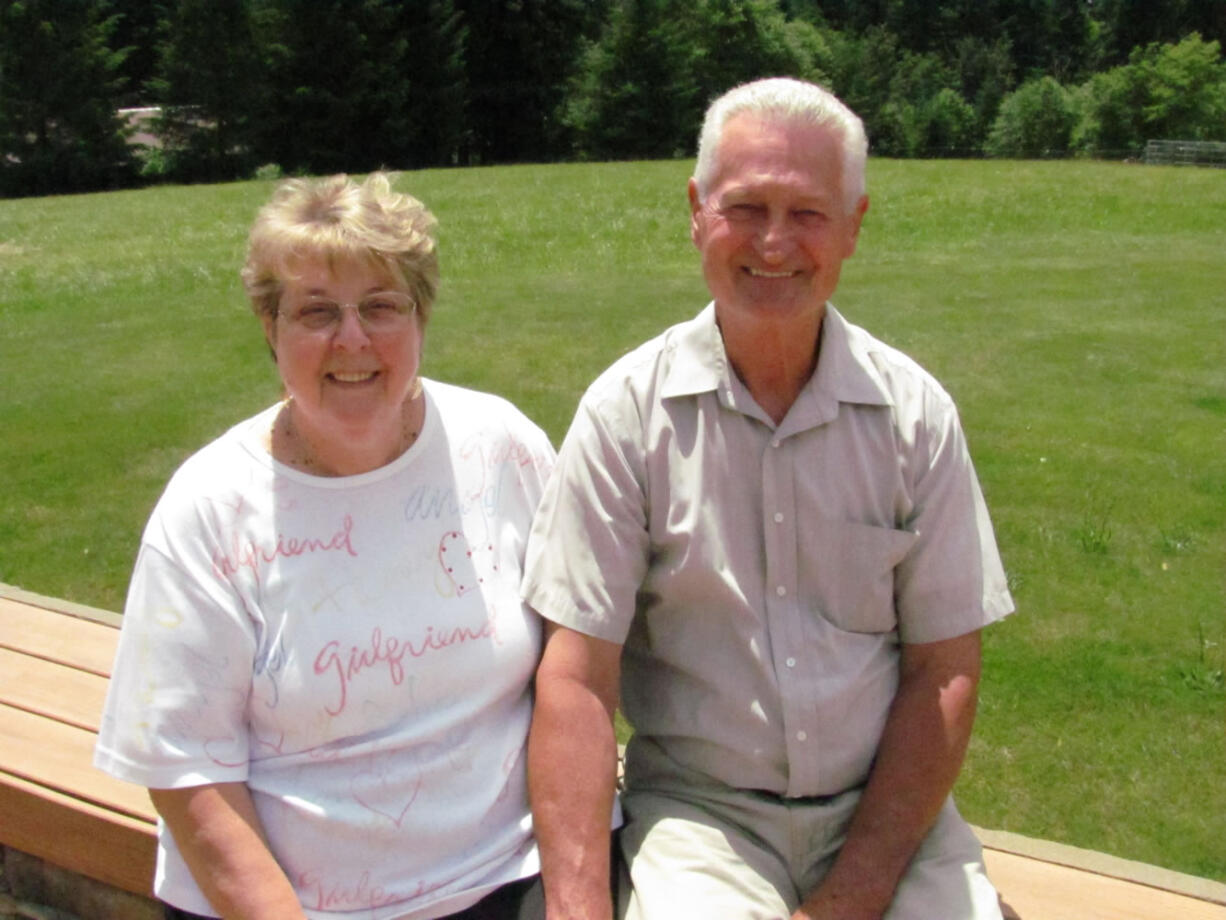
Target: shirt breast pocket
x=848 y=570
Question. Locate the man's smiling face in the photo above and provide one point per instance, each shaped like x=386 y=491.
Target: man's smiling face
x=775 y=226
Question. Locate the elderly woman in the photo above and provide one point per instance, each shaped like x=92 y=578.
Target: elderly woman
x=323 y=674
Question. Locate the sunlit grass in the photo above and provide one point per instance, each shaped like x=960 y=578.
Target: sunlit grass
x=1076 y=311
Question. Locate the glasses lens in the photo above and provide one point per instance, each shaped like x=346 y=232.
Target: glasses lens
x=385 y=309
x=317 y=314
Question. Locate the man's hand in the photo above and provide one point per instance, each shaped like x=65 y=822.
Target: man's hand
x=917 y=762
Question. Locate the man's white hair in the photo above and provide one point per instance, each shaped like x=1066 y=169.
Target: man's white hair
x=790 y=101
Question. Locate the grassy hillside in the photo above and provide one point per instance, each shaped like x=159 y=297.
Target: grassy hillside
x=1076 y=311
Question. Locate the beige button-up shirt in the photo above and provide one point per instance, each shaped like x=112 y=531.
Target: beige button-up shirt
x=762 y=578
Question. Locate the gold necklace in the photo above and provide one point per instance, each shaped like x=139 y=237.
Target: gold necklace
x=294 y=449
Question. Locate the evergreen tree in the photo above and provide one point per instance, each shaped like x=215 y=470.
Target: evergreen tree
x=636 y=94
x=140 y=30
x=519 y=56
x=864 y=71
x=985 y=77
x=434 y=127
x=59 y=85
x=741 y=40
x=643 y=88
x=338 y=94
x=207 y=78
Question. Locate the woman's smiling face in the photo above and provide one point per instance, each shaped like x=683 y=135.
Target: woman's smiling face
x=348 y=383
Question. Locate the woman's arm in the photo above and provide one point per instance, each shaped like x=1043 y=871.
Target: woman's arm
x=220 y=837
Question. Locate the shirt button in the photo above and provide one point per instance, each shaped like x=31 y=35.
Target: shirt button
x=775 y=443
x=781 y=590
x=802 y=736
x=791 y=662
x=778 y=517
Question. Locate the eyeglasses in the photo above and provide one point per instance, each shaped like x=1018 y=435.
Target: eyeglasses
x=381 y=312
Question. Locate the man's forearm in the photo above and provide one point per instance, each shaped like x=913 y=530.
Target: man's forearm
x=918 y=760
x=572 y=770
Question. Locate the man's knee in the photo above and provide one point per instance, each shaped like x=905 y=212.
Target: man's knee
x=685 y=862
x=947 y=876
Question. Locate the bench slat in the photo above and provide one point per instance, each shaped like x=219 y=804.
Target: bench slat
x=60 y=757
x=76 y=835
x=1047 y=891
x=72 y=641
x=53 y=690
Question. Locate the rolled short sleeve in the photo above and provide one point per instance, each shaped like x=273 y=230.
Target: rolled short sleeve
x=176 y=709
x=952 y=581
x=587 y=553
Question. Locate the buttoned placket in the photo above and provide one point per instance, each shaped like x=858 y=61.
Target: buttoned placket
x=782 y=603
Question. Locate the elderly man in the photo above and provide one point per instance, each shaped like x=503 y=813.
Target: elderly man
x=765 y=530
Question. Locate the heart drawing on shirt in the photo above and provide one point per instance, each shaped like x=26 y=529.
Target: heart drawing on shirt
x=222 y=752
x=378 y=791
x=466 y=567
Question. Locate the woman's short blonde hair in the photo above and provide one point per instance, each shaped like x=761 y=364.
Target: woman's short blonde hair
x=335 y=219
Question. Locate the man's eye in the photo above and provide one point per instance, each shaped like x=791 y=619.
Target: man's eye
x=742 y=211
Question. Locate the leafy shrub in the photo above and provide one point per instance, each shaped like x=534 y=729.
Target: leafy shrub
x=1164 y=91
x=1036 y=120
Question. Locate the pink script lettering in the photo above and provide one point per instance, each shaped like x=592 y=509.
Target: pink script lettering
x=391 y=651
x=251 y=555
x=341 y=896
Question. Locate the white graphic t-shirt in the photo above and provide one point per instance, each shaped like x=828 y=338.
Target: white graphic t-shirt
x=354 y=649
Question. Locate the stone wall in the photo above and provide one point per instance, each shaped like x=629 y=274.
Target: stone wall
x=34 y=889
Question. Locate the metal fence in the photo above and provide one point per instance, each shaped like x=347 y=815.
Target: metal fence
x=1186 y=153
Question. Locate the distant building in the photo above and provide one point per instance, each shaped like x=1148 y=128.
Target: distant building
x=141 y=121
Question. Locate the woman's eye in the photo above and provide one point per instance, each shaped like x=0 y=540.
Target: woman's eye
x=317 y=314
x=379 y=311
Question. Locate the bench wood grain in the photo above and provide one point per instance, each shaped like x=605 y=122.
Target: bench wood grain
x=54 y=668
x=55 y=661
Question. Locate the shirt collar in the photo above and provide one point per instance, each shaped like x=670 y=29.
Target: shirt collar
x=698 y=362
x=845 y=368
x=845 y=371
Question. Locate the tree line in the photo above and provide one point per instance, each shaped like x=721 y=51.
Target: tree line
x=242 y=87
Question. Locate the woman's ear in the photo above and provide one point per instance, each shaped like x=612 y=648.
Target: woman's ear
x=269 y=322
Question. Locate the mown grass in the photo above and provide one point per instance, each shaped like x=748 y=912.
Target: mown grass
x=1077 y=312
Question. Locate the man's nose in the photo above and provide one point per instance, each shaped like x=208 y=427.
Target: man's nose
x=775 y=236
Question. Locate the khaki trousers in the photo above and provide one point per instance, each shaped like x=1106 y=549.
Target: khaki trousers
x=712 y=853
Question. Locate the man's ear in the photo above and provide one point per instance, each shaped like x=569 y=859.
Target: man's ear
x=857 y=217
x=695 y=213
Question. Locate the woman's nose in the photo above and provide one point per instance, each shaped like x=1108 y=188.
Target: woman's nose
x=350 y=333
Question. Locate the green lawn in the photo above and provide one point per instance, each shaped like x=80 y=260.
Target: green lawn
x=1076 y=311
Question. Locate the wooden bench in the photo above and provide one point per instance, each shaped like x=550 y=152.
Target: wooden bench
x=55 y=660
